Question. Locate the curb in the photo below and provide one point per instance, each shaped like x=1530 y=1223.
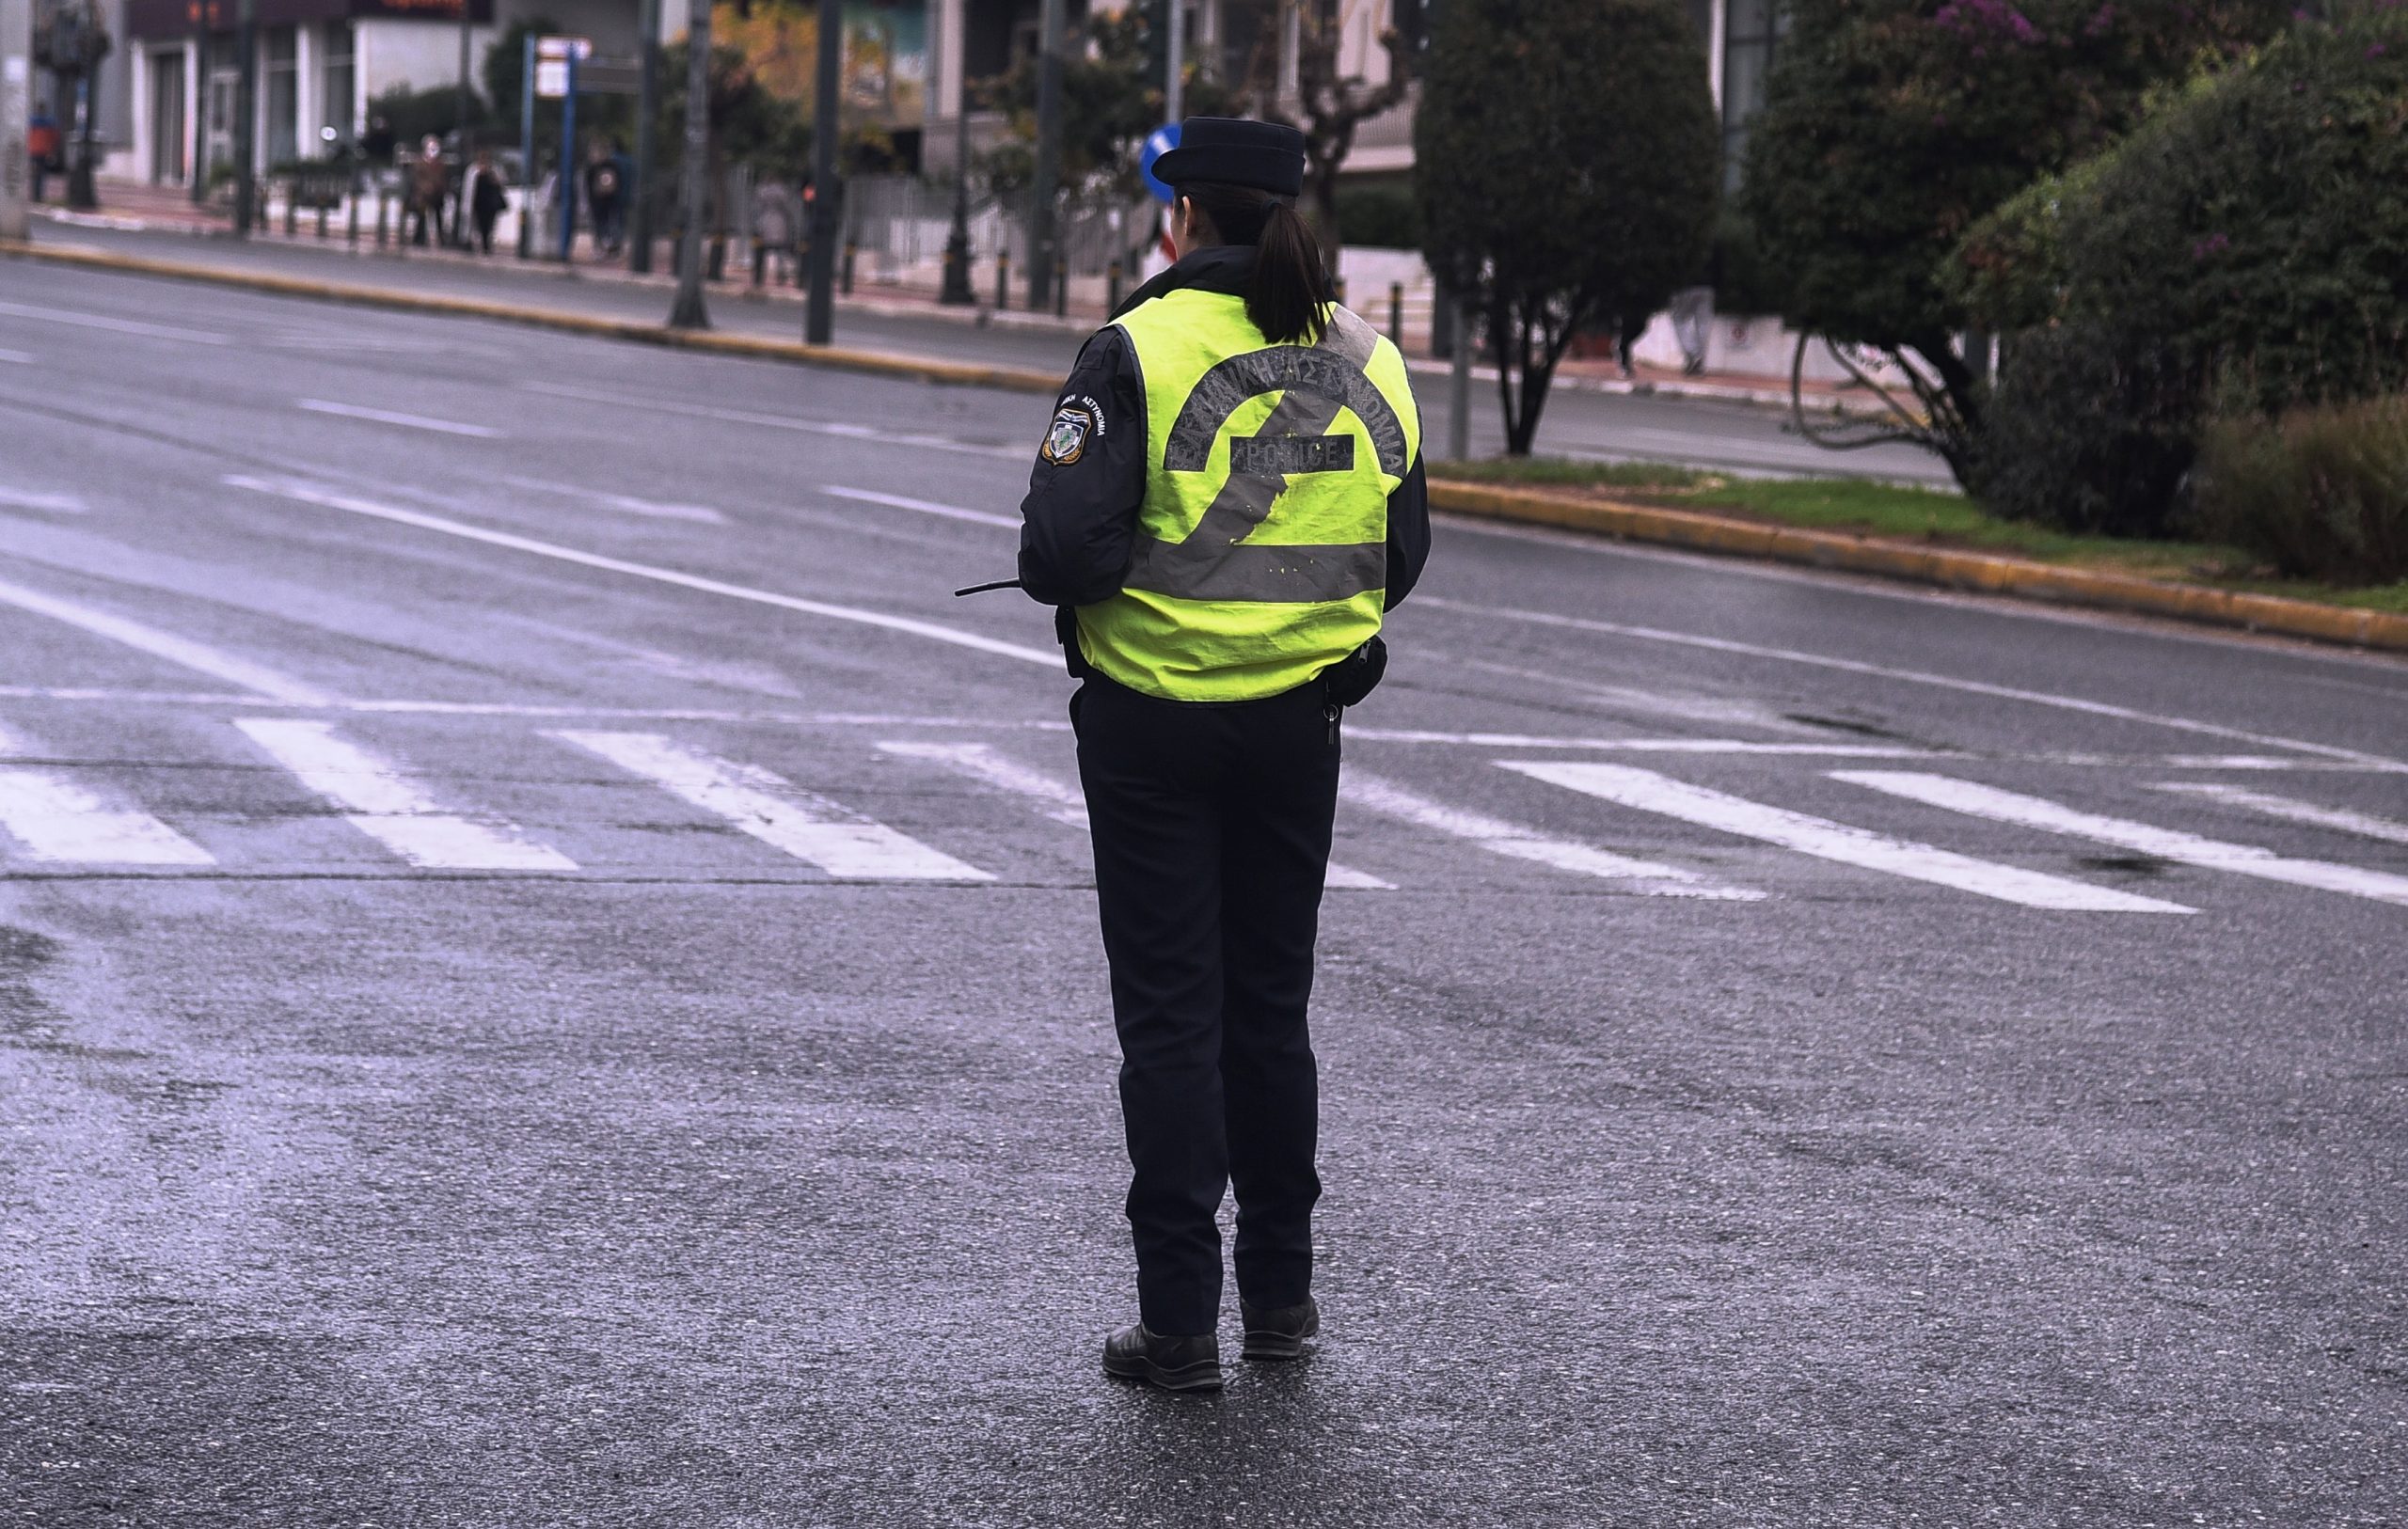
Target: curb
x=1947 y=568
x=1018 y=379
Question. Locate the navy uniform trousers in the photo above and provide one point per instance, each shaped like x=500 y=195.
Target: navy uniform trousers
x=1211 y=827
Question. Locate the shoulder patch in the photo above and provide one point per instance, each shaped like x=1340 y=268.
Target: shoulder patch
x=1068 y=439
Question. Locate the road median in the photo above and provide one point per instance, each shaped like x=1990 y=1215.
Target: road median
x=920 y=369
x=1943 y=567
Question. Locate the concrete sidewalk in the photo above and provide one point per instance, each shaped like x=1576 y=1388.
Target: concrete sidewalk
x=130 y=208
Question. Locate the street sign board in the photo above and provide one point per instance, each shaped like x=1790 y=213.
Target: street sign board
x=563 y=48
x=1157 y=143
x=551 y=78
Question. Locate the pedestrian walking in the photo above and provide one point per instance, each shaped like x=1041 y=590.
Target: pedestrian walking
x=606 y=183
x=430 y=188
x=486 y=199
x=1694 y=314
x=775 y=226
x=1228 y=498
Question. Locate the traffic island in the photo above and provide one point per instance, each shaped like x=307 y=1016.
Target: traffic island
x=1630 y=517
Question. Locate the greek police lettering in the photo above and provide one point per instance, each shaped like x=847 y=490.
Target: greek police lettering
x=1068 y=439
x=1280 y=456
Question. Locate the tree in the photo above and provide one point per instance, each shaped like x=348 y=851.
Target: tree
x=1566 y=162
x=1329 y=104
x=1890 y=126
x=1111 y=99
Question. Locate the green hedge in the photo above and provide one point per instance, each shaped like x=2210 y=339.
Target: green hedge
x=2321 y=492
x=2241 y=252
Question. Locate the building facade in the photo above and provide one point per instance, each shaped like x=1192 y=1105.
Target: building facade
x=971 y=40
x=319 y=64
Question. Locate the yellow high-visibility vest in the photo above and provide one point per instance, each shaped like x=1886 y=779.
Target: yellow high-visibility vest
x=1262 y=555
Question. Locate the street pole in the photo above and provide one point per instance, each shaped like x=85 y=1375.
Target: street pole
x=818 y=324
x=81 y=194
x=956 y=290
x=16 y=116
x=689 y=312
x=647 y=107
x=462 y=113
x=569 y=171
x=204 y=16
x=1174 y=46
x=246 y=53
x=1049 y=157
x=527 y=146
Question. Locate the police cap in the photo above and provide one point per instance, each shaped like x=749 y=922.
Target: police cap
x=1236 y=151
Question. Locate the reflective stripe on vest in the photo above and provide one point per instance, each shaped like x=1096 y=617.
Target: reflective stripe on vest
x=1216 y=605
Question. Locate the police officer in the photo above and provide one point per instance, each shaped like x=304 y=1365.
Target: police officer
x=1227 y=499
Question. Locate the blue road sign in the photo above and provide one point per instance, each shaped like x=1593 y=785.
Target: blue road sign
x=1157 y=143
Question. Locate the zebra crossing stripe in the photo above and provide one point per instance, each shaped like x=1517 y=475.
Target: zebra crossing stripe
x=1516 y=842
x=1823 y=839
x=60 y=821
x=387 y=805
x=2365 y=825
x=2165 y=843
x=1062 y=802
x=777 y=812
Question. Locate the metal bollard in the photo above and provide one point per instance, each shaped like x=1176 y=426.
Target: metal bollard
x=1112 y=285
x=383 y=201
x=1340 y=287
x=322 y=214
x=351 y=220
x=850 y=249
x=291 y=207
x=1061 y=288
x=1396 y=313
x=1003 y=279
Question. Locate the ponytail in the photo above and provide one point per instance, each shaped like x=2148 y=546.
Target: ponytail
x=1289 y=297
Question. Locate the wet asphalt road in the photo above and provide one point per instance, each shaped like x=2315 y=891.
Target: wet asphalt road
x=1724 y=436
x=442 y=1082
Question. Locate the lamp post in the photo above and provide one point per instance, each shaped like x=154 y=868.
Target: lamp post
x=818 y=320
x=1049 y=156
x=956 y=290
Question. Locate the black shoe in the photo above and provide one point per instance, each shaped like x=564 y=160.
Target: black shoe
x=1280 y=1332
x=1173 y=1363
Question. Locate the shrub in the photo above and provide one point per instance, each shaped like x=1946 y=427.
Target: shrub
x=2255 y=224
x=1381 y=217
x=1890 y=126
x=2321 y=492
x=2085 y=433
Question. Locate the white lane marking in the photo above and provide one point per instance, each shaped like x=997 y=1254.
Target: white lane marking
x=925 y=507
x=1823 y=839
x=1689 y=707
x=118 y=326
x=1513 y=839
x=1648 y=745
x=1059 y=800
x=777 y=812
x=306 y=494
x=196 y=657
x=2366 y=825
x=58 y=820
x=17 y=498
x=701 y=514
x=387 y=805
x=2164 y=844
x=19 y=359
x=1915 y=676
x=779 y=421
x=1062 y=801
x=389 y=417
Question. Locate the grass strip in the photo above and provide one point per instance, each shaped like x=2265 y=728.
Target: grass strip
x=1928 y=516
